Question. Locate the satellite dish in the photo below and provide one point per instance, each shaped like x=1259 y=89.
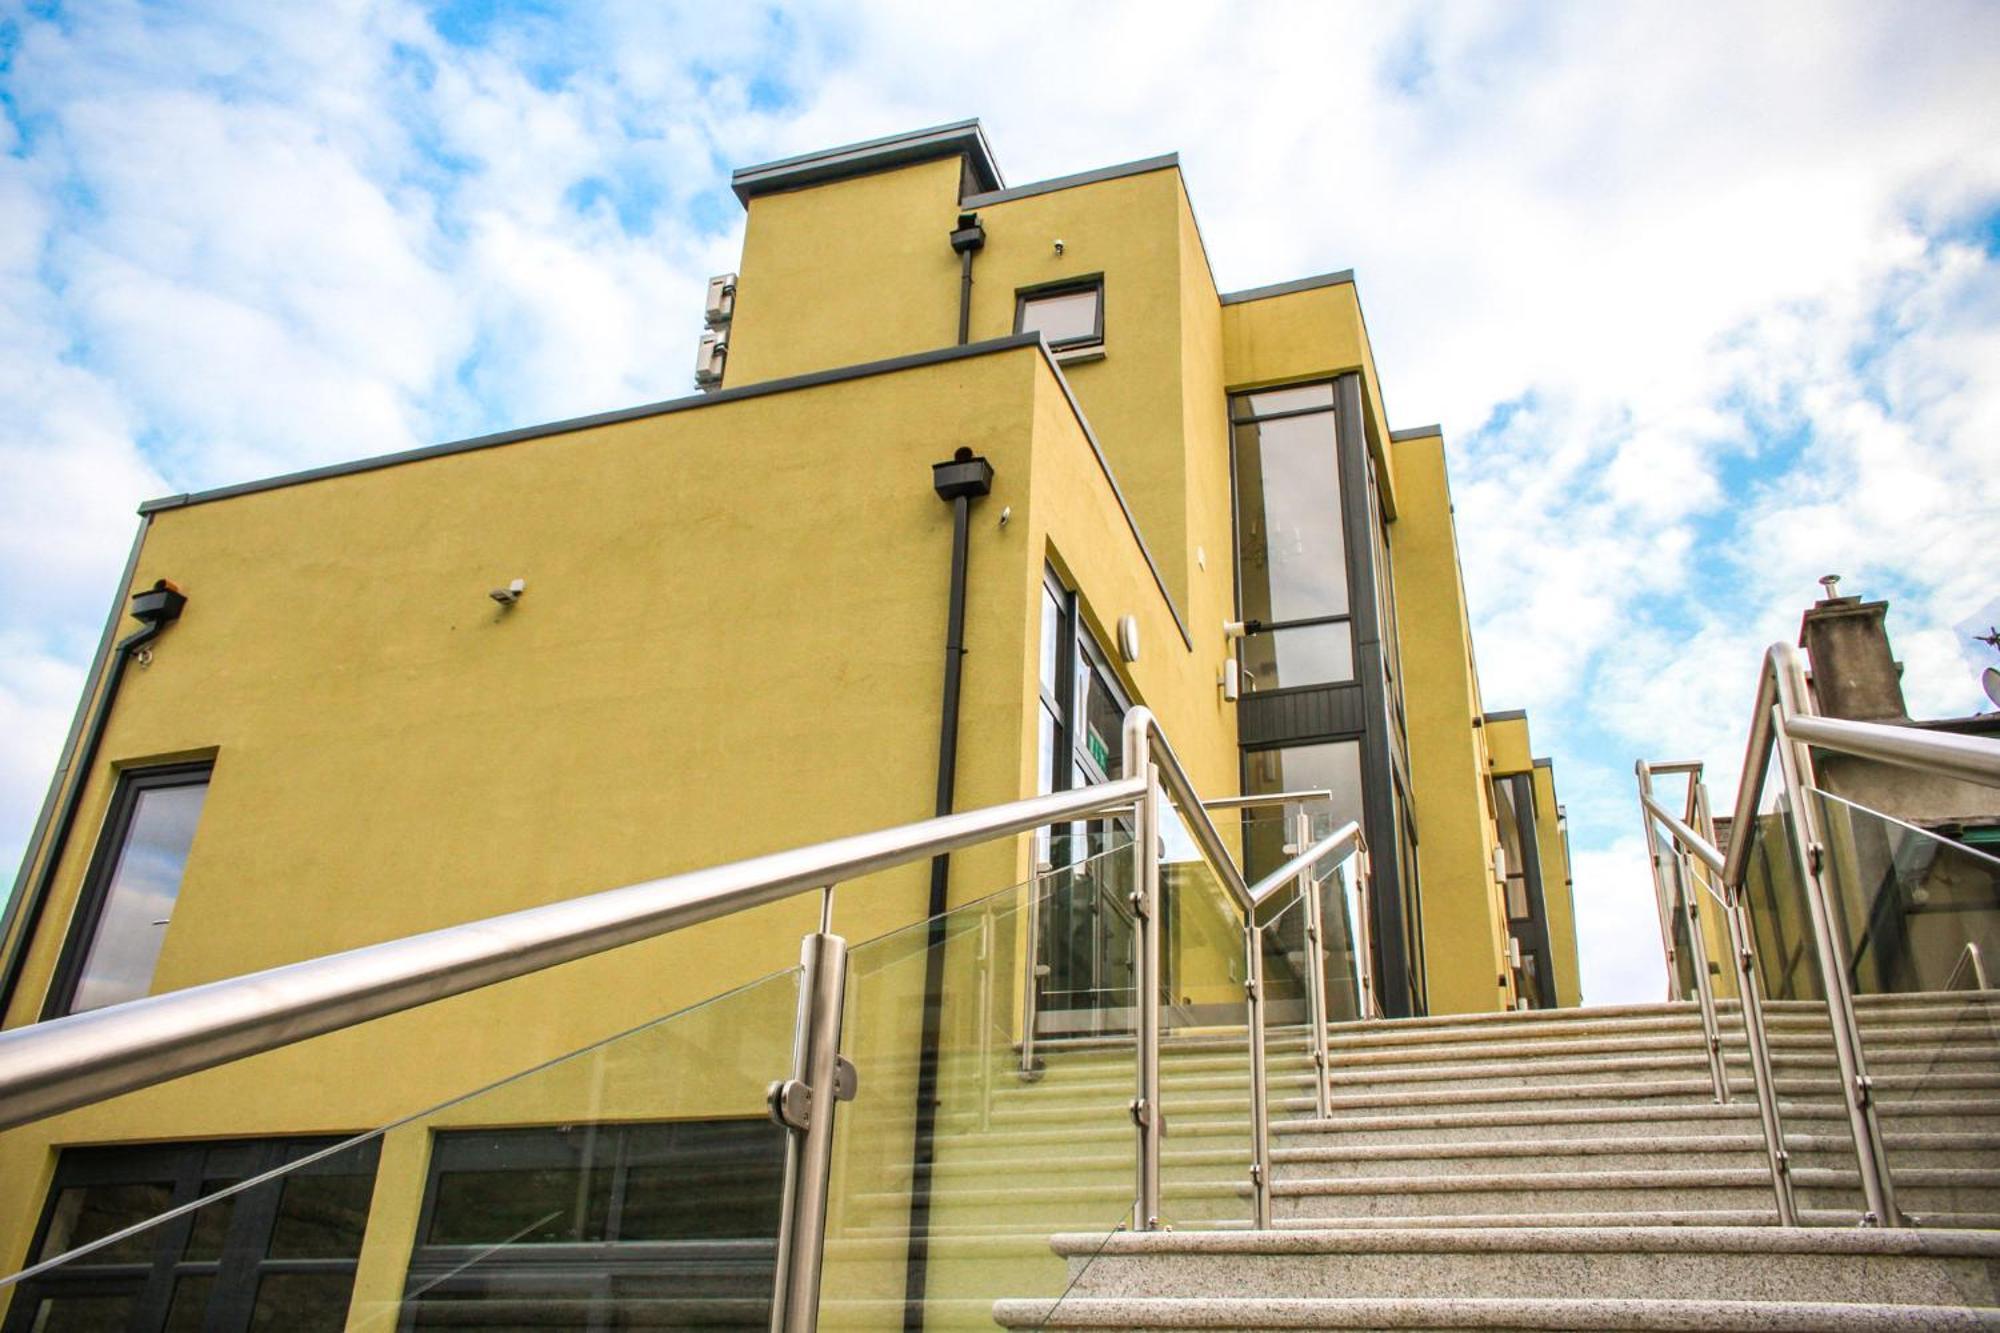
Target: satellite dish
x=1989 y=680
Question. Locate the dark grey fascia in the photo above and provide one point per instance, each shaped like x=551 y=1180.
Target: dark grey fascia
x=1415 y=433
x=1343 y=278
x=1543 y=761
x=1510 y=715
x=1164 y=162
x=688 y=404
x=964 y=138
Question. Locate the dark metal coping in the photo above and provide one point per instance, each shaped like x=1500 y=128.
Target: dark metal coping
x=964 y=138
x=1344 y=277
x=1511 y=715
x=701 y=400
x=1543 y=761
x=1415 y=433
x=1163 y=162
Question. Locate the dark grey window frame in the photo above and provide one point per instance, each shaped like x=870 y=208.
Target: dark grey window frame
x=1237 y=417
x=1531 y=930
x=582 y=1268
x=89 y=914
x=1278 y=718
x=243 y=1260
x=1089 y=282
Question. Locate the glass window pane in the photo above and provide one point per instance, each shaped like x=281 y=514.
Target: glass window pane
x=303 y=1302
x=210 y=1223
x=188 y=1311
x=1103 y=721
x=85 y=1213
x=1297 y=398
x=321 y=1216
x=1052 y=619
x=1291 y=548
x=1306 y=655
x=704 y=1180
x=1066 y=317
x=140 y=899
x=1334 y=766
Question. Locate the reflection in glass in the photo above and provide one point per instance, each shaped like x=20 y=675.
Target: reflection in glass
x=1304 y=655
x=139 y=899
x=1064 y=319
x=1291 y=547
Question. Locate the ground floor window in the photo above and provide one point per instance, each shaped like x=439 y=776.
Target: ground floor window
x=593 y=1226
x=279 y=1256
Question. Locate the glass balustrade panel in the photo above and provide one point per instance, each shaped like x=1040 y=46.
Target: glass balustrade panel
x=633 y=1183
x=968 y=1152
x=1918 y=916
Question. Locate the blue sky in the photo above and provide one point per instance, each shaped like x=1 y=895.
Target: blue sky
x=1707 y=298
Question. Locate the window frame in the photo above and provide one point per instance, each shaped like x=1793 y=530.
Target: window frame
x=243 y=1259
x=1090 y=282
x=116 y=831
x=588 y=1267
x=1241 y=414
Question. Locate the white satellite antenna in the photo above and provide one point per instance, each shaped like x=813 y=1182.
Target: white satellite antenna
x=1989 y=680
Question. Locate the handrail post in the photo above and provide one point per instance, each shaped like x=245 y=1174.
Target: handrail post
x=1147 y=1116
x=1756 y=1034
x=1364 y=901
x=1809 y=858
x=1704 y=985
x=804 y=1105
x=986 y=941
x=1660 y=895
x=1315 y=924
x=1260 y=1107
x=1672 y=886
x=1031 y=977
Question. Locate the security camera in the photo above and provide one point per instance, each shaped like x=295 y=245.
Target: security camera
x=510 y=594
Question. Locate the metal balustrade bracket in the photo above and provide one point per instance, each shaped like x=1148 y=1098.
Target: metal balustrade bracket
x=1142 y=1116
x=790 y=1103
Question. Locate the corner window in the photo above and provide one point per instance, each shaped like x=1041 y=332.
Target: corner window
x=277 y=1255
x=130 y=890
x=1069 y=317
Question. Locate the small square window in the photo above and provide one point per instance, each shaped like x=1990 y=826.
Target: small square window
x=1067 y=317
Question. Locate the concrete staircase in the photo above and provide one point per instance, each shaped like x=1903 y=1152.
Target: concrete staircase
x=1562 y=1170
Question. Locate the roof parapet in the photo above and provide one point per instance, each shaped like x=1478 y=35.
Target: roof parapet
x=964 y=138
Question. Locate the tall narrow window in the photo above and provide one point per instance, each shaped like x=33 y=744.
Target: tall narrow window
x=1291 y=542
x=131 y=888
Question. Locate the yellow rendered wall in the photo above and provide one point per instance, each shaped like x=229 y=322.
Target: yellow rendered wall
x=1464 y=924
x=861 y=269
x=1558 y=890
x=841 y=274
x=728 y=645
x=1128 y=230
x=1311 y=333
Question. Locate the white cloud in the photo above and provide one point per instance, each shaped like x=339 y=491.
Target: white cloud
x=1681 y=285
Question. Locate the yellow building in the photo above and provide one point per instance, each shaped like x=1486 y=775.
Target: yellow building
x=410 y=691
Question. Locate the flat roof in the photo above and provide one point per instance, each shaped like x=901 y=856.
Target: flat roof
x=963 y=138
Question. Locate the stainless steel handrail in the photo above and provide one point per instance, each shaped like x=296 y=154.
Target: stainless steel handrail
x=1784 y=726
x=1260 y=799
x=1749 y=989
x=1970 y=758
x=1146 y=752
x=1969 y=955
x=69 y=1062
x=1346 y=836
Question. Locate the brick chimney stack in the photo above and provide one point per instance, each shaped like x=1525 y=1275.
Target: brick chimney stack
x=1853 y=673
